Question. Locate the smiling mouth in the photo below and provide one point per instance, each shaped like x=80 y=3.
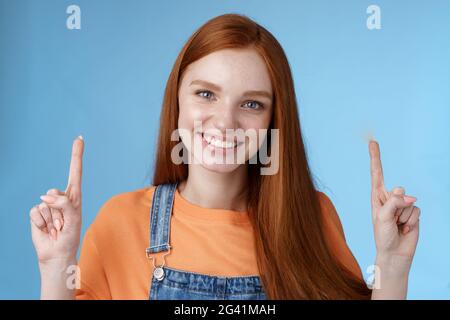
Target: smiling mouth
x=216 y=143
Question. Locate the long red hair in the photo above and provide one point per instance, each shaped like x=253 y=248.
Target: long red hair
x=293 y=257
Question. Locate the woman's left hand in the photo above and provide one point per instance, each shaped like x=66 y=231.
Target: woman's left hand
x=394 y=216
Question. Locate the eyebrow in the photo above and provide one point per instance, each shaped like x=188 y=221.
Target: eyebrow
x=215 y=87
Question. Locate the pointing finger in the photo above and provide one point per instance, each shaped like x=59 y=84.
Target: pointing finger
x=74 y=182
x=376 y=169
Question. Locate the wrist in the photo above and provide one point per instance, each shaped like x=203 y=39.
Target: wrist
x=391 y=278
x=393 y=266
x=59 y=278
x=57 y=265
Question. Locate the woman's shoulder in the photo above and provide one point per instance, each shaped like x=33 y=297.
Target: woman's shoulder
x=123 y=207
x=329 y=212
x=324 y=200
x=131 y=198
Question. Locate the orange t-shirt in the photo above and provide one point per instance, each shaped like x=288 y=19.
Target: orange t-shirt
x=218 y=242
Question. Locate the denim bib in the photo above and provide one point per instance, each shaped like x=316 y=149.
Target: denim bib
x=174 y=284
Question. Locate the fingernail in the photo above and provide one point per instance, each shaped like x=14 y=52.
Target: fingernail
x=47 y=198
x=406 y=230
x=80 y=137
x=57 y=224
x=409 y=199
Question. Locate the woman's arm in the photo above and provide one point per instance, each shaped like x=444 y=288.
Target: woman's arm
x=396 y=227
x=55 y=230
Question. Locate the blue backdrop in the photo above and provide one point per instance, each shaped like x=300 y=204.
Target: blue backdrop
x=106 y=81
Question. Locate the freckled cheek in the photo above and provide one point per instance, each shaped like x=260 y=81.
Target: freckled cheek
x=189 y=114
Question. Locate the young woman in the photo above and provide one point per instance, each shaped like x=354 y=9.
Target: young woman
x=212 y=230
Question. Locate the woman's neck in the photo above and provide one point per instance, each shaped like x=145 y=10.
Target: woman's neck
x=214 y=190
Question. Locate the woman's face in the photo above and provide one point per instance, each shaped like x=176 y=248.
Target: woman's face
x=225 y=91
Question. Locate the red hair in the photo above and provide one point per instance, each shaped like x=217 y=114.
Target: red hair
x=293 y=257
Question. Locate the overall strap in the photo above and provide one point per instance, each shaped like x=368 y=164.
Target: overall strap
x=160 y=215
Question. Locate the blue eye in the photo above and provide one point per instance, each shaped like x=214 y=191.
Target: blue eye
x=205 y=94
x=253 y=105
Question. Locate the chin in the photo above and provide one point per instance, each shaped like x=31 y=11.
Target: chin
x=221 y=168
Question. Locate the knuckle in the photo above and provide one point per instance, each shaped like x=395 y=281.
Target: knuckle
x=33 y=210
x=418 y=211
x=45 y=215
x=45 y=212
x=411 y=222
x=47 y=220
x=39 y=223
x=33 y=214
x=37 y=219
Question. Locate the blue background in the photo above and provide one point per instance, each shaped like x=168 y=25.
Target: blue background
x=106 y=82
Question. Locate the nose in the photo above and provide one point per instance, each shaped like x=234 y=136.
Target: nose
x=225 y=117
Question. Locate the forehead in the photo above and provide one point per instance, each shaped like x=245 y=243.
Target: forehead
x=231 y=69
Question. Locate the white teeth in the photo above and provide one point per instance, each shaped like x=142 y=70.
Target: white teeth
x=218 y=143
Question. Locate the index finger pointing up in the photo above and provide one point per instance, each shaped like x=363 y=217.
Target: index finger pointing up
x=74 y=182
x=376 y=170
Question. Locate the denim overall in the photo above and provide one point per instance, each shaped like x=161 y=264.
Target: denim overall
x=172 y=284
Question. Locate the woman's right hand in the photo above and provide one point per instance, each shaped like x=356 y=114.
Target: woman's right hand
x=56 y=222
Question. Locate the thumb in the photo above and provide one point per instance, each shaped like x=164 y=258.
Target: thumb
x=61 y=202
x=400 y=191
x=395 y=202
